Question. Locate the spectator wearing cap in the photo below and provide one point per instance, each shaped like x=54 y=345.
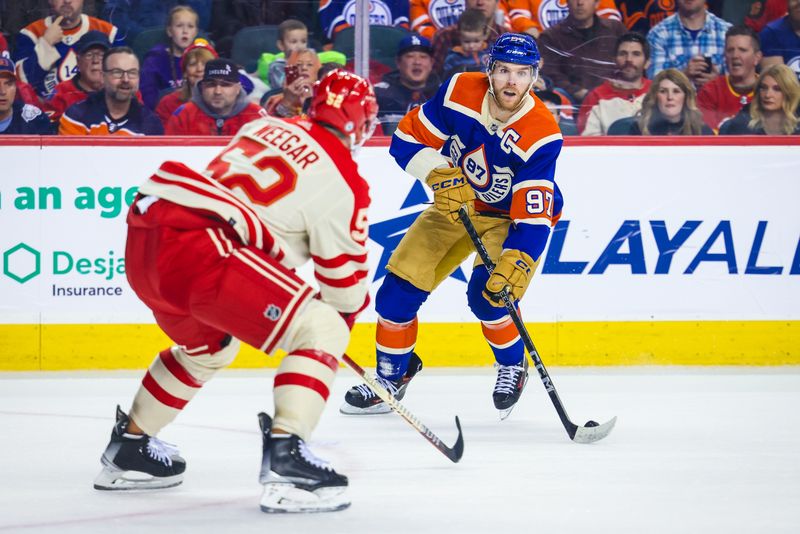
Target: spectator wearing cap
x=193 y=64
x=218 y=106
x=473 y=50
x=161 y=69
x=448 y=38
x=45 y=49
x=17 y=117
x=410 y=85
x=115 y=110
x=88 y=79
x=302 y=70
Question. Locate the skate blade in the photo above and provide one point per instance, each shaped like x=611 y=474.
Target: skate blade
x=282 y=498
x=505 y=413
x=375 y=409
x=119 y=480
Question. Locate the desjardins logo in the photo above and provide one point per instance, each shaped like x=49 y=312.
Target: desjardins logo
x=22 y=262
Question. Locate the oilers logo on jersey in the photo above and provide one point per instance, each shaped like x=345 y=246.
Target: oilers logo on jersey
x=511 y=168
x=445 y=12
x=490 y=186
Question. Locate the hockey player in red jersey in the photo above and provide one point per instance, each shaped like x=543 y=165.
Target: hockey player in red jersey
x=484 y=140
x=213 y=255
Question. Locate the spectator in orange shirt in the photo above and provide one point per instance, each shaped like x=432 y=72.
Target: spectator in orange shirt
x=724 y=96
x=535 y=16
x=219 y=105
x=429 y=16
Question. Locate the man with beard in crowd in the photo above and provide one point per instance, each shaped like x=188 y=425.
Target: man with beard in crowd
x=114 y=110
x=622 y=95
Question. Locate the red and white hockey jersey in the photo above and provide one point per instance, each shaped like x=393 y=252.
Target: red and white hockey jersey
x=291 y=188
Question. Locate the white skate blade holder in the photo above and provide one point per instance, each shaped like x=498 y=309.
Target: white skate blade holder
x=113 y=479
x=282 y=498
x=375 y=409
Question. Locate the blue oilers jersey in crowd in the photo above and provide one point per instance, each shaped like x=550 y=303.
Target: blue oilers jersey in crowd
x=511 y=166
x=335 y=15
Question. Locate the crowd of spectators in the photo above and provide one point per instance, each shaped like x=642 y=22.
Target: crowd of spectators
x=624 y=67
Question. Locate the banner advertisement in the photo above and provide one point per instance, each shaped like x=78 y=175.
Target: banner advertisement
x=649 y=234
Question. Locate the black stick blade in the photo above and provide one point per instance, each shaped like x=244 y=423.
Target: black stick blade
x=457 y=451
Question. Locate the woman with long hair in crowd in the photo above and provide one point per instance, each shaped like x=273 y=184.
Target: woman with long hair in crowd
x=775 y=110
x=193 y=63
x=668 y=108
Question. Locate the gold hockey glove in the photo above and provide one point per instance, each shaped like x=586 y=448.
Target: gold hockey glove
x=514 y=269
x=450 y=190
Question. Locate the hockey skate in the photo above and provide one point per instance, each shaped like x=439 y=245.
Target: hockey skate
x=511 y=380
x=133 y=461
x=361 y=400
x=294 y=479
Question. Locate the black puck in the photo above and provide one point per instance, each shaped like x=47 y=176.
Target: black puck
x=591 y=424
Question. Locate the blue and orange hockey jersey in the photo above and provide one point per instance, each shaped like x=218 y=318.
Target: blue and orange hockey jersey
x=335 y=15
x=511 y=166
x=43 y=65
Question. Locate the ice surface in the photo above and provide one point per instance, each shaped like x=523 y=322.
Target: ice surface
x=695 y=450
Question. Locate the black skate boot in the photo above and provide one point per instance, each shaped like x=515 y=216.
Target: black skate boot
x=294 y=479
x=361 y=400
x=133 y=461
x=511 y=380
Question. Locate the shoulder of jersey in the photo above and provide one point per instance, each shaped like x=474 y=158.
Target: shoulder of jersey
x=35 y=28
x=536 y=128
x=466 y=90
x=100 y=25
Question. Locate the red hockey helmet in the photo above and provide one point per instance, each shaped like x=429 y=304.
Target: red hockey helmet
x=346 y=102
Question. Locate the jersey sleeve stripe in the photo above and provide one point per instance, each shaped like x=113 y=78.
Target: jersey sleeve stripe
x=541 y=220
x=520 y=13
x=424 y=161
x=430 y=126
x=348 y=281
x=422 y=19
x=526 y=155
x=338 y=261
x=539 y=184
x=414 y=127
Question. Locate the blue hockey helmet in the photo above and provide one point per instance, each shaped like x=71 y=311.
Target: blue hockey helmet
x=517 y=48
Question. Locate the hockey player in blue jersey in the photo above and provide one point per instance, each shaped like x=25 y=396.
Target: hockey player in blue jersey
x=484 y=140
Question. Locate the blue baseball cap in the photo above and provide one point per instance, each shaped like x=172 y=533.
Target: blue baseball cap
x=7 y=66
x=92 y=39
x=414 y=43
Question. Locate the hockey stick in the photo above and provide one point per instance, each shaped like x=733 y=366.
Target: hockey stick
x=591 y=431
x=454 y=453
